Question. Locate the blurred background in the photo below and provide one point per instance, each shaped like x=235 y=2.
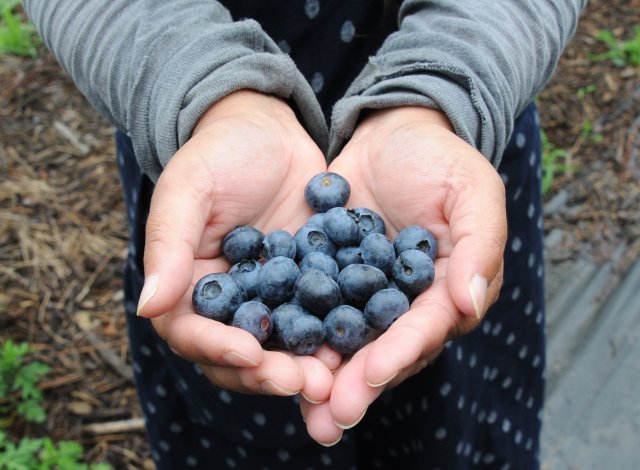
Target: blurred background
x=67 y=399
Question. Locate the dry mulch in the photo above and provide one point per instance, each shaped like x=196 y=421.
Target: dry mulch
x=63 y=234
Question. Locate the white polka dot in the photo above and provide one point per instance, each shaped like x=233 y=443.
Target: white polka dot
x=205 y=443
x=529 y=403
x=182 y=385
x=459 y=353
x=284 y=46
x=136 y=368
x=408 y=408
x=242 y=452
x=517 y=438
x=392 y=453
x=506 y=383
x=385 y=421
x=482 y=415
x=440 y=434
x=488 y=459
x=197 y=369
x=134 y=196
x=247 y=435
x=230 y=462
x=145 y=350
x=312 y=8
x=120 y=158
x=506 y=425
x=518 y=395
x=473 y=360
x=161 y=391
x=532 y=260
x=518 y=193
x=175 y=428
x=476 y=457
x=540 y=222
x=445 y=389
x=492 y=417
x=317 y=82
x=347 y=32
x=326 y=460
x=164 y=446
x=467 y=449
x=151 y=408
x=289 y=429
x=531 y=210
x=225 y=396
x=260 y=419
x=540 y=270
x=155 y=455
x=207 y=414
x=493 y=374
x=532 y=158
x=536 y=360
x=515 y=293
x=497 y=329
x=283 y=455
x=486 y=327
x=529 y=444
x=539 y=318
x=474 y=407
x=523 y=352
x=521 y=140
x=510 y=339
x=424 y=404
x=539 y=173
x=516 y=244
x=461 y=402
x=505 y=178
x=459 y=448
x=191 y=461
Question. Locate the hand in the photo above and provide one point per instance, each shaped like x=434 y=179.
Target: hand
x=408 y=165
x=246 y=163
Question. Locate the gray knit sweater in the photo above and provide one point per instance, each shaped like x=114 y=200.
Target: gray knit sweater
x=152 y=67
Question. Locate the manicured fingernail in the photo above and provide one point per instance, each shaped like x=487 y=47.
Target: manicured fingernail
x=478 y=293
x=148 y=291
x=332 y=443
x=234 y=358
x=349 y=426
x=385 y=381
x=273 y=388
x=313 y=402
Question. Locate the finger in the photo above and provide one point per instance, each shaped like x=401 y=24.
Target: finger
x=318 y=379
x=329 y=357
x=276 y=375
x=320 y=425
x=479 y=232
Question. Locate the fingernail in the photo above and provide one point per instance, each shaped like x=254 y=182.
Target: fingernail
x=349 y=426
x=148 y=291
x=478 y=293
x=384 y=382
x=332 y=443
x=234 y=358
x=313 y=402
x=273 y=388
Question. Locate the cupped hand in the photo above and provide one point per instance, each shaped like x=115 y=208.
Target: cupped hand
x=246 y=164
x=408 y=165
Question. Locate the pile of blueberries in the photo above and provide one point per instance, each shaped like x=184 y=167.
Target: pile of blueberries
x=338 y=280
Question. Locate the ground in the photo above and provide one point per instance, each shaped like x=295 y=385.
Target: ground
x=63 y=234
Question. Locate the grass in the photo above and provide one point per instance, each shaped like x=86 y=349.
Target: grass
x=621 y=52
x=17 y=36
x=554 y=160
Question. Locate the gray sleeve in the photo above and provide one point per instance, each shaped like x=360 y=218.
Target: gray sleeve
x=152 y=67
x=479 y=62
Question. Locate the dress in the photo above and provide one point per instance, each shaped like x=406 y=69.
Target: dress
x=477 y=406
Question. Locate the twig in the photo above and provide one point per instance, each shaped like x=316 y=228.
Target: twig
x=111 y=427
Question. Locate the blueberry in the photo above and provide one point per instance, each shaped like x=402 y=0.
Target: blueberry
x=281 y=316
x=369 y=221
x=377 y=250
x=385 y=307
x=321 y=262
x=346 y=329
x=347 y=255
x=246 y=273
x=243 y=242
x=254 y=317
x=358 y=282
x=309 y=238
x=277 y=279
x=303 y=335
x=278 y=243
x=341 y=226
x=327 y=190
x=316 y=220
x=415 y=237
x=217 y=296
x=317 y=292
x=413 y=272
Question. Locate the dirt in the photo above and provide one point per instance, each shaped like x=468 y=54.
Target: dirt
x=63 y=234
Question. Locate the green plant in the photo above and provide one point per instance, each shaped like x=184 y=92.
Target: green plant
x=583 y=91
x=18 y=383
x=621 y=53
x=554 y=160
x=17 y=37
x=43 y=454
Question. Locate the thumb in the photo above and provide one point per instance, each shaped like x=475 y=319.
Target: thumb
x=177 y=219
x=479 y=230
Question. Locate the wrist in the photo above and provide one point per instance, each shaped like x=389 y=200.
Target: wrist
x=400 y=116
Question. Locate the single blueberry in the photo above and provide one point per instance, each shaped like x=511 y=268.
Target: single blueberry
x=243 y=242
x=317 y=292
x=321 y=262
x=309 y=238
x=217 y=296
x=316 y=220
x=413 y=272
x=254 y=317
x=347 y=255
x=415 y=237
x=346 y=329
x=385 y=307
x=327 y=190
x=281 y=316
x=358 y=282
x=277 y=279
x=303 y=335
x=377 y=250
x=246 y=273
x=369 y=221
x=278 y=243
x=341 y=226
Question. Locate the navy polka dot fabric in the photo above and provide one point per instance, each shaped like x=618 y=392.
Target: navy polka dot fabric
x=477 y=406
